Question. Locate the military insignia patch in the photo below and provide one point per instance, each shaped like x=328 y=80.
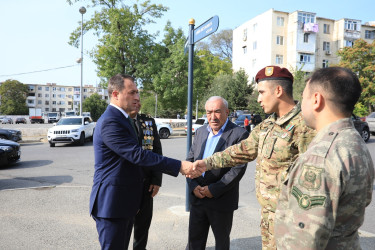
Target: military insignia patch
x=306 y=201
x=310 y=177
x=268 y=71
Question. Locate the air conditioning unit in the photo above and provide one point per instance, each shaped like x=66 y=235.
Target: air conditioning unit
x=328 y=52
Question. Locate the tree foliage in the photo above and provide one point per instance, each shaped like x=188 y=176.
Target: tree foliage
x=13 y=98
x=299 y=82
x=361 y=59
x=220 y=44
x=95 y=105
x=233 y=88
x=124 y=45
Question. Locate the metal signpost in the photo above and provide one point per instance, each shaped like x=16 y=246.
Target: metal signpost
x=195 y=35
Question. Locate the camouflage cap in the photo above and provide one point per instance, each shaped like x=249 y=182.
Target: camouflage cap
x=273 y=73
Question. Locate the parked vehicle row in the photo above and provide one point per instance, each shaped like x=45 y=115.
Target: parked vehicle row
x=10 y=152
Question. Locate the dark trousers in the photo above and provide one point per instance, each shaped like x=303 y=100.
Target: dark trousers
x=142 y=221
x=201 y=218
x=114 y=233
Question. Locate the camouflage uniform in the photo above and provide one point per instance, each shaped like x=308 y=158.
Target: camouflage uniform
x=276 y=143
x=322 y=203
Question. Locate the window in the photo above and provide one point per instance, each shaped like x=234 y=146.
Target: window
x=46 y=109
x=349 y=43
x=61 y=96
x=46 y=102
x=39 y=101
x=69 y=103
x=255 y=45
x=326 y=28
x=306 y=17
x=304 y=58
x=280 y=40
x=30 y=101
x=39 y=87
x=46 y=95
x=325 y=64
x=244 y=35
x=255 y=26
x=306 y=37
x=84 y=90
x=31 y=88
x=53 y=95
x=244 y=49
x=326 y=46
x=70 y=89
x=54 y=89
x=254 y=62
x=62 y=89
x=47 y=88
x=53 y=102
x=279 y=59
x=77 y=89
x=352 y=25
x=370 y=34
x=280 y=21
x=39 y=95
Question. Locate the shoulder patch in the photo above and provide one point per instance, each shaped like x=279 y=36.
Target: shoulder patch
x=306 y=201
x=310 y=177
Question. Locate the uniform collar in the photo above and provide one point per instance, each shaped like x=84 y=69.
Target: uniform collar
x=287 y=117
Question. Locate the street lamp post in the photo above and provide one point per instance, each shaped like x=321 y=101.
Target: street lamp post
x=82 y=10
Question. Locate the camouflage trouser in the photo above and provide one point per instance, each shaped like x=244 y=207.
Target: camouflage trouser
x=267 y=229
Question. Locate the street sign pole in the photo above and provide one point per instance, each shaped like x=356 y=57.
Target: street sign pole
x=190 y=101
x=195 y=35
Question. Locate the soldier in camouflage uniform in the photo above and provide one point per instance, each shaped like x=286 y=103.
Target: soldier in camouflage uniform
x=323 y=201
x=275 y=143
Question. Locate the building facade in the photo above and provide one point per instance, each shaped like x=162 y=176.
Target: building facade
x=297 y=40
x=60 y=98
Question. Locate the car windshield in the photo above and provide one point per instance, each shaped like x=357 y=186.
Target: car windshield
x=199 y=121
x=52 y=115
x=70 y=121
x=242 y=117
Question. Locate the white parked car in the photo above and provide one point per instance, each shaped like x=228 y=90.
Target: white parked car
x=164 y=129
x=74 y=129
x=197 y=124
x=370 y=119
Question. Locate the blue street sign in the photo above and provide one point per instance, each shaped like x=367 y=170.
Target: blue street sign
x=206 y=29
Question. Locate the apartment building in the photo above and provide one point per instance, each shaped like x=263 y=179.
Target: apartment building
x=60 y=98
x=294 y=40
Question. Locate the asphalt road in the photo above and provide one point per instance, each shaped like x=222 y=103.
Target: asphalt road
x=44 y=203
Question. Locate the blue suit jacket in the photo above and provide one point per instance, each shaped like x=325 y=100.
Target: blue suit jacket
x=223 y=183
x=118 y=178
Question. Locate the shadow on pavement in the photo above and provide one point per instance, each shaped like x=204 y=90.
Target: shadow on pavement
x=27 y=164
x=34 y=182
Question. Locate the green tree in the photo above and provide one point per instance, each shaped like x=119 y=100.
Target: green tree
x=13 y=98
x=361 y=59
x=233 y=88
x=298 y=82
x=124 y=45
x=95 y=105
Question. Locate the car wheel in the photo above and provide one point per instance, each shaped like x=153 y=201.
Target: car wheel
x=81 y=141
x=52 y=145
x=92 y=137
x=164 y=133
x=365 y=134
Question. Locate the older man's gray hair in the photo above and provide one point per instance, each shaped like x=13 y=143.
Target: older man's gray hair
x=214 y=98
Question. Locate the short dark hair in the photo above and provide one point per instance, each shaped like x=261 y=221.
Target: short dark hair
x=117 y=82
x=341 y=84
x=287 y=86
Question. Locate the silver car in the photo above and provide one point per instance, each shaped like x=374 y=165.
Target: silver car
x=370 y=119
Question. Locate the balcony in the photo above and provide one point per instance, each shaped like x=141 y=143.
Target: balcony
x=352 y=34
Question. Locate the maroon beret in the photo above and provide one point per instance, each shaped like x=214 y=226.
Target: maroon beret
x=273 y=73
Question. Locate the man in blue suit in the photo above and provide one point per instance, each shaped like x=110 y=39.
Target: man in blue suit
x=214 y=195
x=118 y=179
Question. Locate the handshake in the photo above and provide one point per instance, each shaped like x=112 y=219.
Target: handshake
x=193 y=170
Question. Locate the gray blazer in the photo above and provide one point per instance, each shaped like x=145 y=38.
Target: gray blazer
x=223 y=183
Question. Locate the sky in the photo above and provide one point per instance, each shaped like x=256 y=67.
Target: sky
x=34 y=34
